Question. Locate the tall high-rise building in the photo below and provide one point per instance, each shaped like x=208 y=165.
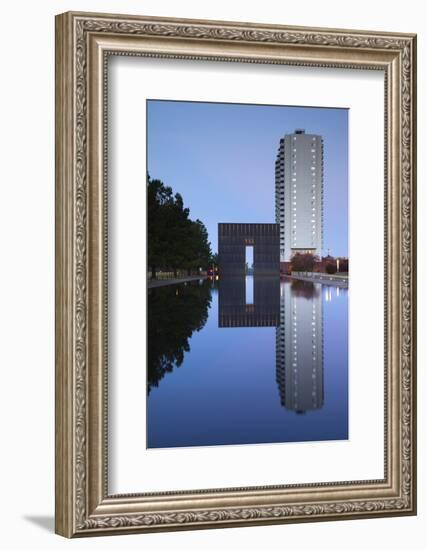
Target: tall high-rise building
x=299 y=194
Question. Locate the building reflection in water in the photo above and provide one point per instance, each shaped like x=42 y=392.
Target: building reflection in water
x=249 y=302
x=295 y=309
x=299 y=347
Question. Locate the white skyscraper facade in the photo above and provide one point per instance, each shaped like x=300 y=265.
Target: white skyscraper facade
x=299 y=194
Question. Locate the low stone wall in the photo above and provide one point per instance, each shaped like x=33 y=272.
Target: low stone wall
x=323 y=278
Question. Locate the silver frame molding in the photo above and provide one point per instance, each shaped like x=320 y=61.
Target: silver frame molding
x=83 y=43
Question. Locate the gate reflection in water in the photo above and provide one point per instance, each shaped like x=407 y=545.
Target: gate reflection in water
x=224 y=371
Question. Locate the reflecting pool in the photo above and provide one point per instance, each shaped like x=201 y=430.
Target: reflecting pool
x=246 y=360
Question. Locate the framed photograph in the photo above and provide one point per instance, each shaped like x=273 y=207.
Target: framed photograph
x=235 y=274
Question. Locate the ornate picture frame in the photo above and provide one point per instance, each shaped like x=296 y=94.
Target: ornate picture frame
x=84 y=42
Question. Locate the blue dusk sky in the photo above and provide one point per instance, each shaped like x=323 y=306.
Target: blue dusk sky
x=221 y=158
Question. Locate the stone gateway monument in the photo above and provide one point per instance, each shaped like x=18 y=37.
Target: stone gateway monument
x=233 y=238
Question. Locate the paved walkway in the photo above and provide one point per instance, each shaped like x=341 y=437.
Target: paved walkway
x=322 y=279
x=154 y=283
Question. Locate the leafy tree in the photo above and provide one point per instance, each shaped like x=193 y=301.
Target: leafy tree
x=174 y=240
x=343 y=262
x=159 y=205
x=331 y=268
x=303 y=262
x=197 y=247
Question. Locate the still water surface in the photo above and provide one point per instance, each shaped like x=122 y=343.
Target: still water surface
x=246 y=360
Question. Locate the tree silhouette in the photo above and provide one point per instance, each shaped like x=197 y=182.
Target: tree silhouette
x=331 y=268
x=174 y=240
x=303 y=262
x=343 y=263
